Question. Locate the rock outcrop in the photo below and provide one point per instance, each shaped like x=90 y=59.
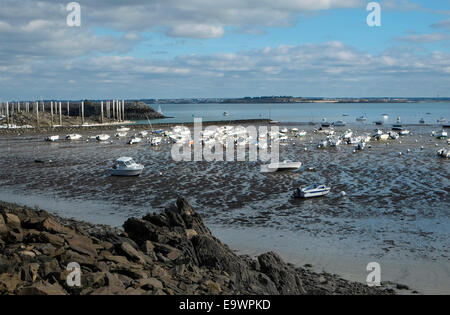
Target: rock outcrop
x=168 y=253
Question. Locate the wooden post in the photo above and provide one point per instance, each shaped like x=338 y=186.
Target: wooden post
x=68 y=109
x=37 y=114
x=51 y=114
x=82 y=112
x=18 y=107
x=101 y=112
x=60 y=115
x=7 y=114
x=108 y=109
x=119 y=110
x=123 y=110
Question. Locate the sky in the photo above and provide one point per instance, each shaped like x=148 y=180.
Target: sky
x=138 y=49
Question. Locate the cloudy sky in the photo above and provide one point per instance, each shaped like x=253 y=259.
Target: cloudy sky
x=223 y=48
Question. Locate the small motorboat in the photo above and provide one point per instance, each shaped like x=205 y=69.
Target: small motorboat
x=143 y=133
x=322 y=144
x=102 y=137
x=334 y=141
x=156 y=141
x=339 y=123
x=73 y=136
x=125 y=166
x=52 y=138
x=121 y=134
x=361 y=145
x=397 y=127
x=294 y=130
x=393 y=135
x=284 y=130
x=444 y=153
x=301 y=133
x=226 y=113
x=421 y=121
x=442 y=120
x=134 y=140
x=281 y=166
x=361 y=118
x=404 y=132
x=325 y=124
x=442 y=134
x=315 y=190
x=378 y=123
x=123 y=129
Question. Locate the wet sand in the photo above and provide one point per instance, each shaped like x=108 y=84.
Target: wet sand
x=396 y=211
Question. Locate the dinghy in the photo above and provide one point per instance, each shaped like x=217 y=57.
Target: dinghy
x=281 y=166
x=102 y=137
x=74 y=136
x=315 y=190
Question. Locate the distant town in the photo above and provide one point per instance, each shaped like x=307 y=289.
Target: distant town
x=294 y=99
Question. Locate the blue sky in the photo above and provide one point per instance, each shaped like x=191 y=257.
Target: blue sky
x=233 y=48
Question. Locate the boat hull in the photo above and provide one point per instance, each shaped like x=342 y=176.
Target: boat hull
x=312 y=194
x=116 y=172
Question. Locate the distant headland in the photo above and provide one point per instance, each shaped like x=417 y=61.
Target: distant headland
x=295 y=99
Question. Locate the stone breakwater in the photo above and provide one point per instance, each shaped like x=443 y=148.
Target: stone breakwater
x=172 y=252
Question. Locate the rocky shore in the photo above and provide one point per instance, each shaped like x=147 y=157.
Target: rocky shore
x=166 y=253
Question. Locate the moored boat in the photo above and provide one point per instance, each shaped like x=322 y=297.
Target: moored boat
x=315 y=190
x=126 y=166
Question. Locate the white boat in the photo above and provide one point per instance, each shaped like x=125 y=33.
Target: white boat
x=294 y=130
x=134 y=140
x=125 y=166
x=315 y=190
x=347 y=135
x=284 y=130
x=301 y=133
x=393 y=135
x=442 y=134
x=123 y=129
x=122 y=134
x=226 y=113
x=404 y=132
x=382 y=137
x=102 y=137
x=143 y=133
x=361 y=145
x=281 y=166
x=361 y=118
x=73 y=136
x=156 y=141
x=322 y=144
x=442 y=120
x=444 y=153
x=385 y=116
x=339 y=123
x=334 y=141
x=354 y=140
x=52 y=138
